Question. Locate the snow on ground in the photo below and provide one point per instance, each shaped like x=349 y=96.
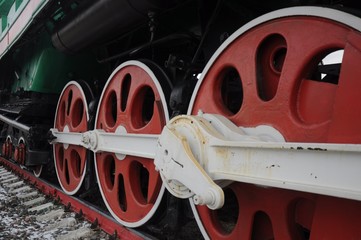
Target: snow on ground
x=14 y=222
x=17 y=223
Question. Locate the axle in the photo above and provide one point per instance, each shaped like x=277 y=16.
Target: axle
x=197 y=155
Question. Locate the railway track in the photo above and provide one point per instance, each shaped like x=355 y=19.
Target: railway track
x=34 y=209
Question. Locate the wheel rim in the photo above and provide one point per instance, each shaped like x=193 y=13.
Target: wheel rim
x=273 y=78
x=71 y=116
x=130 y=186
x=38 y=170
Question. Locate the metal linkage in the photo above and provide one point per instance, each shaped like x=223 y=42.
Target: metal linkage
x=146 y=145
x=14 y=123
x=177 y=161
x=195 y=155
x=140 y=145
x=227 y=153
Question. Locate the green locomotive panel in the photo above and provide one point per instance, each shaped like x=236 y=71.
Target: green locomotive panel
x=39 y=67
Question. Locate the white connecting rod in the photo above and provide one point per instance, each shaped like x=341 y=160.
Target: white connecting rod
x=139 y=145
x=195 y=153
x=225 y=153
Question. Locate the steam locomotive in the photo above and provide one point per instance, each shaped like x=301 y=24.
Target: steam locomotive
x=248 y=109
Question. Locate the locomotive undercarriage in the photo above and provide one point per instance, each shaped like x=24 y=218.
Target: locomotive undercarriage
x=25 y=123
x=268 y=143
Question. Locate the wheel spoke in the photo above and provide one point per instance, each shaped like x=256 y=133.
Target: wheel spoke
x=68 y=99
x=118 y=192
x=153 y=124
x=65 y=162
x=133 y=198
x=141 y=105
x=62 y=111
x=154 y=181
x=344 y=128
x=76 y=162
x=77 y=113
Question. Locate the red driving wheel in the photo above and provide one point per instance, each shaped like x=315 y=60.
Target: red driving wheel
x=133 y=102
x=7 y=148
x=273 y=72
x=20 y=152
x=71 y=116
